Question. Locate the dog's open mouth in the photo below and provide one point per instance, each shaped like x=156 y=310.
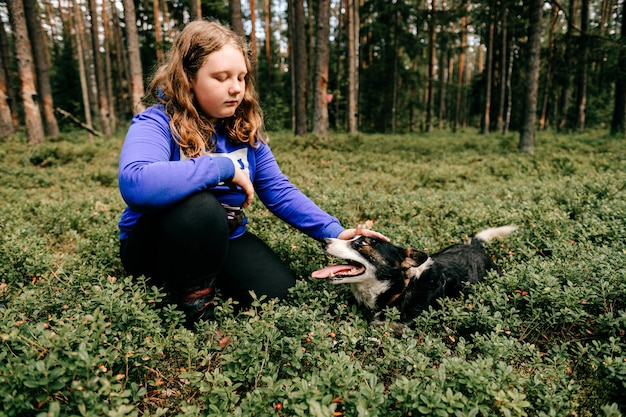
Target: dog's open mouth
x=339 y=271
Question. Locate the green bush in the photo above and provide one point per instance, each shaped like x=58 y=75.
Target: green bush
x=547 y=337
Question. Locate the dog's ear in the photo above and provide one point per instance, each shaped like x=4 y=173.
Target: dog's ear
x=414 y=258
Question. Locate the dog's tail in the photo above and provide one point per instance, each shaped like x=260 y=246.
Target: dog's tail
x=488 y=235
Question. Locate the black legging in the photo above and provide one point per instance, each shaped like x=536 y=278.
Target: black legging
x=187 y=245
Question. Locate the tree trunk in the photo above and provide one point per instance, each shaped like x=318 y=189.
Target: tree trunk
x=460 y=72
x=195 y=9
x=618 y=123
x=106 y=25
x=32 y=114
x=504 y=40
x=254 y=58
x=581 y=73
x=6 y=119
x=80 y=58
x=268 y=43
x=488 y=78
x=299 y=65
x=432 y=61
x=352 y=14
x=134 y=57
x=236 y=17
x=31 y=11
x=527 y=136
x=565 y=90
x=322 y=46
x=103 y=102
x=547 y=90
x=158 y=31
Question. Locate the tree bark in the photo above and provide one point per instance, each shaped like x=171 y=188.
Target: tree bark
x=108 y=41
x=322 y=45
x=6 y=118
x=299 y=65
x=527 y=136
x=504 y=43
x=352 y=14
x=28 y=91
x=80 y=58
x=33 y=23
x=565 y=90
x=432 y=61
x=236 y=17
x=581 y=73
x=461 y=71
x=488 y=78
x=268 y=43
x=134 y=57
x=103 y=102
x=158 y=31
x=618 y=123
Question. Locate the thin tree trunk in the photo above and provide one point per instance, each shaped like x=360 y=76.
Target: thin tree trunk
x=543 y=118
x=352 y=14
x=6 y=118
x=268 y=42
x=298 y=52
x=158 y=31
x=527 y=136
x=488 y=79
x=509 y=91
x=394 y=78
x=32 y=114
x=33 y=23
x=134 y=57
x=103 y=102
x=106 y=24
x=121 y=61
x=195 y=9
x=253 y=51
x=581 y=73
x=432 y=61
x=80 y=57
x=618 y=123
x=322 y=46
x=504 y=35
x=460 y=72
x=565 y=90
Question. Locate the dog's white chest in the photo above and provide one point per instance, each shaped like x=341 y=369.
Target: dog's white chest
x=367 y=292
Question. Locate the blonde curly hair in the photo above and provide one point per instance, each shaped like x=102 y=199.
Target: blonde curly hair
x=193 y=130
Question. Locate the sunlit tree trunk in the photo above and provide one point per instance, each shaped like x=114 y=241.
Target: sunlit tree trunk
x=33 y=23
x=80 y=58
x=134 y=57
x=488 y=78
x=268 y=42
x=158 y=31
x=352 y=24
x=527 y=136
x=236 y=17
x=320 y=103
x=195 y=9
x=103 y=102
x=32 y=114
x=460 y=72
x=108 y=72
x=7 y=127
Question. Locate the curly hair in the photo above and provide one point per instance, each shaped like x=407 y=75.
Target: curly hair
x=192 y=129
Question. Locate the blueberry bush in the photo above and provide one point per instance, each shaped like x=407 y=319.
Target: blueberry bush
x=547 y=337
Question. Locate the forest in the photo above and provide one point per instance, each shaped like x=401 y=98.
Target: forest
x=351 y=66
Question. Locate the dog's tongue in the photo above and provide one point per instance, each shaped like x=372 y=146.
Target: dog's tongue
x=331 y=270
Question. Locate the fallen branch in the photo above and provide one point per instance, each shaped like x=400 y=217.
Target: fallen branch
x=77 y=121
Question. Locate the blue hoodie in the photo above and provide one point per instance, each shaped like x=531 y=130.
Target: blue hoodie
x=153 y=175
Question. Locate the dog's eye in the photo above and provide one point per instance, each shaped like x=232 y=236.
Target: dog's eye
x=362 y=242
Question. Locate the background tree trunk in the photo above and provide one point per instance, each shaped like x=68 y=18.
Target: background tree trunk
x=527 y=136
x=352 y=24
x=134 y=57
x=488 y=78
x=300 y=78
x=432 y=61
x=618 y=123
x=103 y=102
x=108 y=41
x=581 y=73
x=6 y=119
x=569 y=39
x=236 y=17
x=460 y=71
x=268 y=42
x=195 y=9
x=158 y=31
x=32 y=114
x=322 y=45
x=80 y=57
x=33 y=23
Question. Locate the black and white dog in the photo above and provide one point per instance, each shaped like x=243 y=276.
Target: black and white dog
x=382 y=275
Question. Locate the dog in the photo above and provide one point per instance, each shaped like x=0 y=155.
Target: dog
x=383 y=275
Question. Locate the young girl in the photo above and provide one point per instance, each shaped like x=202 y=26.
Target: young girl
x=189 y=166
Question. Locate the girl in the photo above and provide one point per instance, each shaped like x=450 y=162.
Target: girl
x=191 y=164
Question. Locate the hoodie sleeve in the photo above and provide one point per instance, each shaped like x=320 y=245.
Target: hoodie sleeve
x=149 y=179
x=287 y=202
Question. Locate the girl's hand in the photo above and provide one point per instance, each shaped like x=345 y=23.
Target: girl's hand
x=242 y=180
x=361 y=231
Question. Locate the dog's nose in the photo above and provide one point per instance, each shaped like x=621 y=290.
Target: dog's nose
x=326 y=242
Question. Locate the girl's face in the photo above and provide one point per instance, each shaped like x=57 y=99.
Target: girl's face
x=220 y=83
